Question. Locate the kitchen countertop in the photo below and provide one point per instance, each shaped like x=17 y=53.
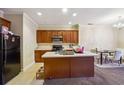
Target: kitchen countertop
x=54 y=54
x=50 y=48
x=44 y=48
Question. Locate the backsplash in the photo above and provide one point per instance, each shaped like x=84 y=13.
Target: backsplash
x=48 y=46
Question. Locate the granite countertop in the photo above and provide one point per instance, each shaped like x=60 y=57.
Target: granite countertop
x=50 y=48
x=55 y=54
x=44 y=48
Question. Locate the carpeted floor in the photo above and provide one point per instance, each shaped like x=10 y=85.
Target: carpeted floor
x=103 y=76
x=110 y=65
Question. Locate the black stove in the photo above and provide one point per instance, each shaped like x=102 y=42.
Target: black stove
x=57 y=47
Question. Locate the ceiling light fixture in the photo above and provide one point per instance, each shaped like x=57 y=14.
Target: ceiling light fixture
x=69 y=23
x=39 y=13
x=119 y=24
x=64 y=10
x=74 y=14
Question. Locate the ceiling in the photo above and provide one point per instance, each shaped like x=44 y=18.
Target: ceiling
x=84 y=15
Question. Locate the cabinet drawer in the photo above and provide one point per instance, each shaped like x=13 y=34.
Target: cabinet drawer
x=38 y=55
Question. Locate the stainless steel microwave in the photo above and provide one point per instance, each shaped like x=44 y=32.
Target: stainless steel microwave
x=57 y=38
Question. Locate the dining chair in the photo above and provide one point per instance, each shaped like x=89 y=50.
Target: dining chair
x=116 y=58
x=97 y=58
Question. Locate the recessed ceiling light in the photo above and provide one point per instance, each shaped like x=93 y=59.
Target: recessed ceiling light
x=74 y=14
x=69 y=23
x=90 y=23
x=39 y=13
x=114 y=25
x=64 y=10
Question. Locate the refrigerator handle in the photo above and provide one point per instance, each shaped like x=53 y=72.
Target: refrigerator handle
x=5 y=52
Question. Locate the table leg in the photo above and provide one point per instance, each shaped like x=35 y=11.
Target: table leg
x=121 y=60
x=101 y=58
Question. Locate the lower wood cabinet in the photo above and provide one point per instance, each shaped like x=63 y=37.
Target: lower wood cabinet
x=56 y=68
x=38 y=55
x=82 y=67
x=68 y=67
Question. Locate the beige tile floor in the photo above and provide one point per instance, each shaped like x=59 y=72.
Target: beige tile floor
x=26 y=77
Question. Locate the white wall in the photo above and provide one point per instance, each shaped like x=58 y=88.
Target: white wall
x=1 y=13
x=57 y=27
x=16 y=23
x=120 y=38
x=97 y=36
x=29 y=41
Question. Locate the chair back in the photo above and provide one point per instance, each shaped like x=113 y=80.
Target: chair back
x=118 y=55
x=94 y=50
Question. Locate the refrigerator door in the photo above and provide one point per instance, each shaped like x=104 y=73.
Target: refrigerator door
x=12 y=57
x=1 y=58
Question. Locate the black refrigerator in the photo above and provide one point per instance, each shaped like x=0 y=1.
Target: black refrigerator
x=9 y=56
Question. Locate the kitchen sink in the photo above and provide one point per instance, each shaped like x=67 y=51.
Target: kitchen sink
x=66 y=52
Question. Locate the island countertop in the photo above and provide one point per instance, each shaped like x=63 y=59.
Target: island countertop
x=57 y=55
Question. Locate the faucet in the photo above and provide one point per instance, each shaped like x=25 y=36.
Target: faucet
x=70 y=45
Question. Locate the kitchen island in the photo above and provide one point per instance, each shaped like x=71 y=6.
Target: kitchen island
x=68 y=66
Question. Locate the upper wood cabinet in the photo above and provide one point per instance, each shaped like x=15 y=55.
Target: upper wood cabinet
x=60 y=33
x=66 y=36
x=49 y=37
x=74 y=37
x=45 y=36
x=41 y=36
x=54 y=33
x=5 y=22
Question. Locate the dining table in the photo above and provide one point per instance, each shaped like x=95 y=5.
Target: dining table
x=104 y=52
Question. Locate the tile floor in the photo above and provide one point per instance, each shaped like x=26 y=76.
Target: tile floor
x=26 y=77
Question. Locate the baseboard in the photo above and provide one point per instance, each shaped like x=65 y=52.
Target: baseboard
x=28 y=66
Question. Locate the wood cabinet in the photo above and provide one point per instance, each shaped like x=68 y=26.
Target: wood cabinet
x=54 y=33
x=82 y=67
x=42 y=36
x=38 y=55
x=68 y=67
x=56 y=68
x=74 y=37
x=66 y=37
x=69 y=36
x=4 y=22
x=59 y=33
x=49 y=37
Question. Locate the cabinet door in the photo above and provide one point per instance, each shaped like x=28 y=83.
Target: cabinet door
x=66 y=36
x=75 y=40
x=54 y=33
x=41 y=36
x=74 y=37
x=82 y=66
x=56 y=68
x=59 y=33
x=38 y=55
x=5 y=22
x=38 y=37
x=49 y=37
